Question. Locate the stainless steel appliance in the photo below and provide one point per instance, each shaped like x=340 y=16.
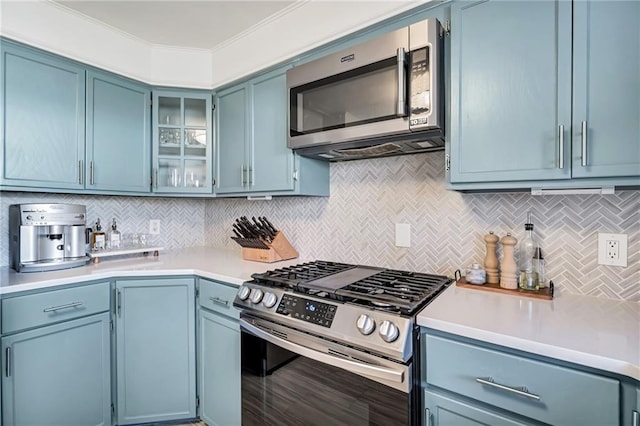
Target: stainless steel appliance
x=327 y=343
x=379 y=98
x=45 y=237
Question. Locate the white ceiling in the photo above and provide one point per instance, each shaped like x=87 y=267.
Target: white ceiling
x=197 y=24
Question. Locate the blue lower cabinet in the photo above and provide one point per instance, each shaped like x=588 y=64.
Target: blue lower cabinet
x=58 y=375
x=442 y=410
x=219 y=373
x=155 y=350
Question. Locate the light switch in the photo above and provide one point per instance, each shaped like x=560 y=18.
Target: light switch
x=403 y=235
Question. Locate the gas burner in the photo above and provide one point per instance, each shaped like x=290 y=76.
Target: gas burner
x=386 y=289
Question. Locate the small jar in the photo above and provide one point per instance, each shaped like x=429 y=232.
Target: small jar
x=476 y=275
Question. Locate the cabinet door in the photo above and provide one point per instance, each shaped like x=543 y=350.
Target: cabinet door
x=219 y=381
x=155 y=333
x=232 y=126
x=118 y=134
x=510 y=90
x=271 y=160
x=606 y=128
x=446 y=411
x=58 y=375
x=43 y=121
x=182 y=154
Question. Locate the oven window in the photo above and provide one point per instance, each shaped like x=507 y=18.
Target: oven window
x=289 y=390
x=363 y=95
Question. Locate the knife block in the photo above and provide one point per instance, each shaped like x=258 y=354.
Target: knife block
x=279 y=249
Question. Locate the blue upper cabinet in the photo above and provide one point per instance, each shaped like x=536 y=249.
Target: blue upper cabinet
x=182 y=143
x=606 y=97
x=118 y=134
x=510 y=91
x=252 y=154
x=534 y=105
x=43 y=121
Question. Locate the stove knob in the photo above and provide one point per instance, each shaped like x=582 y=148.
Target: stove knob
x=269 y=300
x=365 y=324
x=243 y=292
x=256 y=296
x=388 y=331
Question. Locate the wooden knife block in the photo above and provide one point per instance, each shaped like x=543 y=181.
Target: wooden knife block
x=279 y=249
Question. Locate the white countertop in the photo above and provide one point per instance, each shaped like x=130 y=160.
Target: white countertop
x=206 y=262
x=591 y=331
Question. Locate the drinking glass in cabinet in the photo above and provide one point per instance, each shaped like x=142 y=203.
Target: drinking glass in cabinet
x=169 y=173
x=195 y=173
x=195 y=112
x=169 y=111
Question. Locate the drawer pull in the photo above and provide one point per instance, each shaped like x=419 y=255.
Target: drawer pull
x=522 y=391
x=219 y=301
x=60 y=307
x=635 y=418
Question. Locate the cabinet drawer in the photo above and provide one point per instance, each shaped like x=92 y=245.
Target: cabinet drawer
x=218 y=297
x=35 y=310
x=538 y=390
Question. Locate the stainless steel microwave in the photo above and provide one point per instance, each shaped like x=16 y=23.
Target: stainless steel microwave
x=379 y=98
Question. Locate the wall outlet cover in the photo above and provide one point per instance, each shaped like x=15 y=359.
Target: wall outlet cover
x=612 y=249
x=403 y=235
x=154 y=226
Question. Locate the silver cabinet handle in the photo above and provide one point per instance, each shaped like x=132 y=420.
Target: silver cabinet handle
x=219 y=301
x=118 y=301
x=401 y=111
x=584 y=144
x=427 y=417
x=242 y=176
x=91 y=171
x=250 y=175
x=522 y=391
x=561 y=147
x=61 y=307
x=80 y=172
x=635 y=418
x=356 y=367
x=7 y=362
x=155 y=185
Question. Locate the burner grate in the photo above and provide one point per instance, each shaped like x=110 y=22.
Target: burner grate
x=391 y=290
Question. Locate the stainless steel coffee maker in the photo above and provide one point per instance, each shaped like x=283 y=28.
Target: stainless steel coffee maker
x=46 y=237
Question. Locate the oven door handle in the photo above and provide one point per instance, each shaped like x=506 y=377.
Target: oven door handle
x=356 y=367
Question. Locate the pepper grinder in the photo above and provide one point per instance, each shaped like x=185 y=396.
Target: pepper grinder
x=491 y=259
x=509 y=276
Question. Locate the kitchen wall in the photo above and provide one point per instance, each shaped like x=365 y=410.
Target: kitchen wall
x=356 y=224
x=182 y=220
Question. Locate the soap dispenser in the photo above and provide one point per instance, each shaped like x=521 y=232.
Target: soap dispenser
x=98 y=238
x=114 y=236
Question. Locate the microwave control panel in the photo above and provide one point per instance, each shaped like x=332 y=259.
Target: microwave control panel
x=420 y=84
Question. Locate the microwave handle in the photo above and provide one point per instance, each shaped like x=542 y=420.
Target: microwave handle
x=402 y=104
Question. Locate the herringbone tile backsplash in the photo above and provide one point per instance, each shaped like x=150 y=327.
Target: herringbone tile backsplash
x=356 y=224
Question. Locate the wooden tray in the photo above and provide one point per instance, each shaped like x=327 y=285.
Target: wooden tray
x=545 y=293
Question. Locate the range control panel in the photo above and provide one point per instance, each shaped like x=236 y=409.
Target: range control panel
x=307 y=310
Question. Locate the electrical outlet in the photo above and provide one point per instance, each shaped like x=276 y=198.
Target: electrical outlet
x=154 y=226
x=612 y=249
x=403 y=235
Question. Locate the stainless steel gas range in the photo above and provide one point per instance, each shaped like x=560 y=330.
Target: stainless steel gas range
x=326 y=343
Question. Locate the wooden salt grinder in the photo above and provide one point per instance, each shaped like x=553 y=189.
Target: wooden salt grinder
x=509 y=276
x=491 y=259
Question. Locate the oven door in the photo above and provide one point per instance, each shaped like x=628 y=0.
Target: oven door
x=293 y=378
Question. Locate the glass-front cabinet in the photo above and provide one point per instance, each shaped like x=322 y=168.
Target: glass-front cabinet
x=182 y=144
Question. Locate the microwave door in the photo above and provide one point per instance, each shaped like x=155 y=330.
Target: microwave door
x=352 y=104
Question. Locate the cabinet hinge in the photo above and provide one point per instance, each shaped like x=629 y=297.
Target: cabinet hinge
x=446 y=28
x=113 y=409
x=296 y=175
x=213 y=183
x=197 y=292
x=111 y=325
x=447 y=162
x=197 y=401
x=213 y=107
